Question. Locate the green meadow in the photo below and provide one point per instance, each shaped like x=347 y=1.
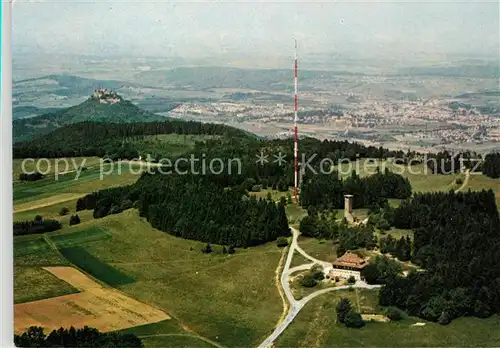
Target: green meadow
x=214 y=299
x=315 y=327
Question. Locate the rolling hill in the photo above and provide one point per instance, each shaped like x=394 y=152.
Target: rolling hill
x=93 y=109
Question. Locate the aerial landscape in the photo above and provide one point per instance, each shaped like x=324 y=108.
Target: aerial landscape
x=235 y=174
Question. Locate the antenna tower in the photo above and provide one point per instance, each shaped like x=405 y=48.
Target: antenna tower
x=296 y=136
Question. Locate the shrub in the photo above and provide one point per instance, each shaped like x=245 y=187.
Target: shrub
x=353 y=319
x=30 y=177
x=231 y=249
x=308 y=281
x=207 y=249
x=224 y=250
x=351 y=280
x=394 y=314
x=459 y=181
x=317 y=272
x=256 y=188
x=444 y=318
x=64 y=211
x=126 y=204
x=115 y=209
x=282 y=242
x=74 y=220
x=38 y=218
x=342 y=308
x=383 y=224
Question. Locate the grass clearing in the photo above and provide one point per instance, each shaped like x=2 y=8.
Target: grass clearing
x=35 y=283
x=420 y=177
x=91 y=234
x=48 y=166
x=171 y=144
x=479 y=182
x=30 y=246
x=298 y=260
x=98 y=269
x=275 y=194
x=167 y=333
x=89 y=181
x=396 y=233
x=175 y=341
x=315 y=326
x=295 y=213
x=300 y=291
x=320 y=249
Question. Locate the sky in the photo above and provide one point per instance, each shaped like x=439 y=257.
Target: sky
x=224 y=28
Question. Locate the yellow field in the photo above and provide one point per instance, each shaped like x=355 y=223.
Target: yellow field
x=95 y=306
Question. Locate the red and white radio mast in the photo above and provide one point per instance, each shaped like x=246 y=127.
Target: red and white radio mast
x=296 y=135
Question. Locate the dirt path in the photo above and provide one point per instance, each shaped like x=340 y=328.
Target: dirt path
x=280 y=290
x=201 y=338
x=296 y=305
x=466 y=181
x=42 y=203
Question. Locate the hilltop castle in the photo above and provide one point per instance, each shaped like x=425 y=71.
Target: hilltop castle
x=105 y=96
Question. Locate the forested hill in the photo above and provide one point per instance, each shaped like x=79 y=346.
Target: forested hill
x=115 y=110
x=105 y=138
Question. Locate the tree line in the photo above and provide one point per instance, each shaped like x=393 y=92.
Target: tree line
x=456 y=242
x=37 y=225
x=491 y=165
x=84 y=337
x=103 y=138
x=327 y=190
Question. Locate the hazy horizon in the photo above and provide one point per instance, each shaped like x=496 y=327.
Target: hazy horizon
x=388 y=30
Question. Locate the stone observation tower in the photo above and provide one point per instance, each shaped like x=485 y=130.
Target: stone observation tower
x=348 y=208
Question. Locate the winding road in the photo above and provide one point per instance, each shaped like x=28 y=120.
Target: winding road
x=297 y=305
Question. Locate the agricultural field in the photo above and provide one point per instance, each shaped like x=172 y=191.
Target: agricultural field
x=32 y=193
x=172 y=275
x=42 y=284
x=103 y=308
x=315 y=326
x=47 y=196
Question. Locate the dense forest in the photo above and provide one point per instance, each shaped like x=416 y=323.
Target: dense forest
x=456 y=241
x=491 y=165
x=103 y=138
x=195 y=207
x=327 y=190
x=84 y=337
